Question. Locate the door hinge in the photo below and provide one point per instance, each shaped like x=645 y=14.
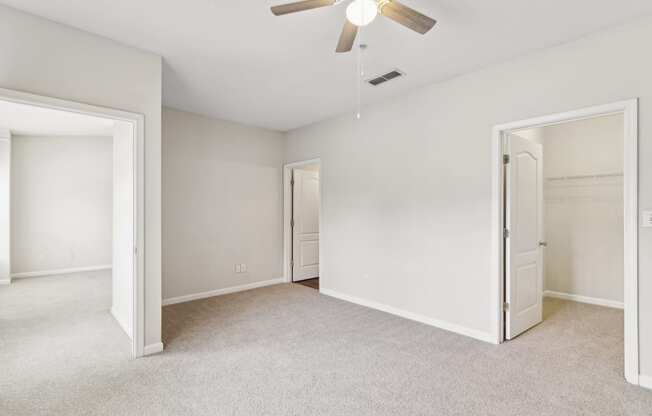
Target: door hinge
x=506 y=306
x=505 y=233
x=292 y=223
x=505 y=159
x=136 y=251
x=292 y=264
x=292 y=182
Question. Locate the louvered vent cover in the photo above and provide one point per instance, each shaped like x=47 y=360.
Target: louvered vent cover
x=385 y=77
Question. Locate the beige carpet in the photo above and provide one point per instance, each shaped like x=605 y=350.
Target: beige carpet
x=287 y=350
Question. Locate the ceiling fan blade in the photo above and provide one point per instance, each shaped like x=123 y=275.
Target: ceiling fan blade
x=347 y=38
x=300 y=6
x=407 y=17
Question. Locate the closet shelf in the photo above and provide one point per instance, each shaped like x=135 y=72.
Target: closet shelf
x=598 y=176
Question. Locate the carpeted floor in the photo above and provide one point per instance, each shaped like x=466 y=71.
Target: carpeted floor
x=287 y=350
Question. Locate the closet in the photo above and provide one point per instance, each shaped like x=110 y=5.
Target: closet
x=583 y=209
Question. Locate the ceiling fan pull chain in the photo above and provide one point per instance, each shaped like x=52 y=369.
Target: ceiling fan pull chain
x=360 y=71
x=359 y=74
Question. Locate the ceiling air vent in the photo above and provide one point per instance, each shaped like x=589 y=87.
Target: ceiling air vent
x=385 y=77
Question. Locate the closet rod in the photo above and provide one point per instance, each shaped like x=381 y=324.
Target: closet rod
x=601 y=175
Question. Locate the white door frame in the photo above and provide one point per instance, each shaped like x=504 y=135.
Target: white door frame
x=138 y=123
x=287 y=216
x=629 y=109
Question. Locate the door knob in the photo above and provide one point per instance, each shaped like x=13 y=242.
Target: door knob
x=543 y=244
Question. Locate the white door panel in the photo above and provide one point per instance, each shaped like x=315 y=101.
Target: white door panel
x=5 y=198
x=305 y=233
x=309 y=253
x=524 y=220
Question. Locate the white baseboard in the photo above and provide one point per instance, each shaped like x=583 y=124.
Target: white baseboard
x=473 y=333
x=61 y=271
x=584 y=299
x=153 y=348
x=218 y=292
x=645 y=381
x=5 y=281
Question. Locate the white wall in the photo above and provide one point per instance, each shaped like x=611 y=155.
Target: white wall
x=61 y=202
x=586 y=147
x=123 y=225
x=412 y=229
x=5 y=185
x=222 y=197
x=90 y=69
x=584 y=216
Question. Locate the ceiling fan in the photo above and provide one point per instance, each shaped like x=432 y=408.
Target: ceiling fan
x=361 y=13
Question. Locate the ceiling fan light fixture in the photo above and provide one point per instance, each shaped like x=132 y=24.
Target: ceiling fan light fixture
x=362 y=12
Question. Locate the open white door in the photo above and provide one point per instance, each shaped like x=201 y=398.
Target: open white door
x=305 y=225
x=524 y=225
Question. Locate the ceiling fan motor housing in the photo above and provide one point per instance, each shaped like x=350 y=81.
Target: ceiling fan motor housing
x=361 y=13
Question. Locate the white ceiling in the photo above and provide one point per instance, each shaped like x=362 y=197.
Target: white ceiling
x=234 y=60
x=29 y=120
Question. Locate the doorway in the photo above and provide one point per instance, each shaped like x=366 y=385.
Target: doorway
x=590 y=188
x=85 y=250
x=302 y=223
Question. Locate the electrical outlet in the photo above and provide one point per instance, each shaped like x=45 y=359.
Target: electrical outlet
x=647 y=218
x=238 y=268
